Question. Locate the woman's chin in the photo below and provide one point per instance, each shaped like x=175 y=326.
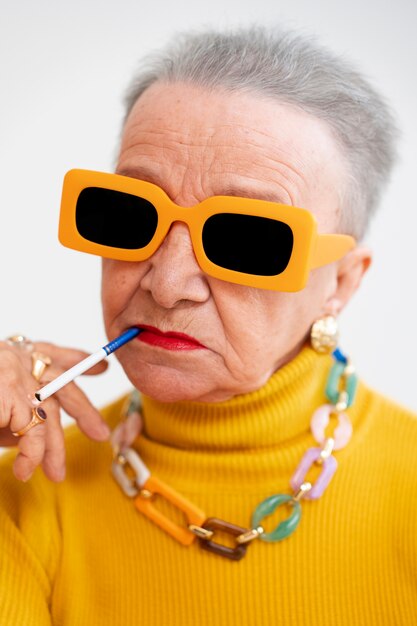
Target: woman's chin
x=166 y=384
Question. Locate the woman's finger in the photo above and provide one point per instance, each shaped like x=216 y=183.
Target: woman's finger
x=67 y=357
x=43 y=442
x=74 y=401
x=15 y=408
x=31 y=452
x=63 y=357
x=53 y=462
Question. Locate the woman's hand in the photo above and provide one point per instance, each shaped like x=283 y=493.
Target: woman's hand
x=44 y=443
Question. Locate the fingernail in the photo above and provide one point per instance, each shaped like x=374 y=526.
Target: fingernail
x=28 y=477
x=33 y=400
x=41 y=413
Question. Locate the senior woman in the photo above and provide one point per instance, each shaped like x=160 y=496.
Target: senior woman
x=249 y=165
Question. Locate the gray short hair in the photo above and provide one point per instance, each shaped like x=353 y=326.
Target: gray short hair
x=292 y=68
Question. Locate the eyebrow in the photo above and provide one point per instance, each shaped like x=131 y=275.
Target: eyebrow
x=248 y=192
x=141 y=173
x=151 y=176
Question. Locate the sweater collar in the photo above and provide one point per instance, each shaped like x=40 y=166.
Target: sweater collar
x=275 y=414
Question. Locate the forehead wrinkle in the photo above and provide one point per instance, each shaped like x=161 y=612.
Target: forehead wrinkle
x=174 y=142
x=146 y=127
x=238 y=167
x=230 y=149
x=210 y=140
x=270 y=155
x=270 y=148
x=237 y=183
x=261 y=180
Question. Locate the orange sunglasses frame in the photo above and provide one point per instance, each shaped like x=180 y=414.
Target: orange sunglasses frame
x=310 y=250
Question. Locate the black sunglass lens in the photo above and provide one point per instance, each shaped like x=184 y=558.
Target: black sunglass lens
x=115 y=218
x=248 y=243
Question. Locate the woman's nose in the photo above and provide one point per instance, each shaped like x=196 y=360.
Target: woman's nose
x=174 y=274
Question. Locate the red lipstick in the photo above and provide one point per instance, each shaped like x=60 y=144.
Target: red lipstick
x=170 y=340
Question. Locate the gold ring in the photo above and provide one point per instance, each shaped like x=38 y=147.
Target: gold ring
x=20 y=341
x=39 y=364
x=38 y=417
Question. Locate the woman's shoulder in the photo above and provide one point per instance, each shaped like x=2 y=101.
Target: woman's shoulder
x=389 y=428
x=388 y=408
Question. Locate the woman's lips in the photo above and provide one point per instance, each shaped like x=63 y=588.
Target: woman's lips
x=170 y=340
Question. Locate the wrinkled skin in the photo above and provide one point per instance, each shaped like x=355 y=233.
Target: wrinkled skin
x=194 y=144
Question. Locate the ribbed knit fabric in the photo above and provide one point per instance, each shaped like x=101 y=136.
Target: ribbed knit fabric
x=79 y=553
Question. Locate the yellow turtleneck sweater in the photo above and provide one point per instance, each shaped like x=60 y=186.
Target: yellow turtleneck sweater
x=79 y=553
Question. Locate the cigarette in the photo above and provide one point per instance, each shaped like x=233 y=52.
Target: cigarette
x=84 y=365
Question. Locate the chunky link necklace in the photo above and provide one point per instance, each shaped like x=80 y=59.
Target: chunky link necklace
x=137 y=482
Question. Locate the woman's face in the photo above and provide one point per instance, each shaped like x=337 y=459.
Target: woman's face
x=194 y=144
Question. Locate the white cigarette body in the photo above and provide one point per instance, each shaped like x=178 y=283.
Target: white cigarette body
x=69 y=375
x=85 y=364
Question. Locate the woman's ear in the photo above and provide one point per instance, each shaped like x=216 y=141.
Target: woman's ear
x=350 y=271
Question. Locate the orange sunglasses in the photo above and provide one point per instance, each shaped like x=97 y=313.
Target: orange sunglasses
x=241 y=240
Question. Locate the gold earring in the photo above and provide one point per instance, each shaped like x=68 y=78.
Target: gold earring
x=324 y=334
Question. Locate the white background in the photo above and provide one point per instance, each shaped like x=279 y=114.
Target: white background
x=64 y=68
